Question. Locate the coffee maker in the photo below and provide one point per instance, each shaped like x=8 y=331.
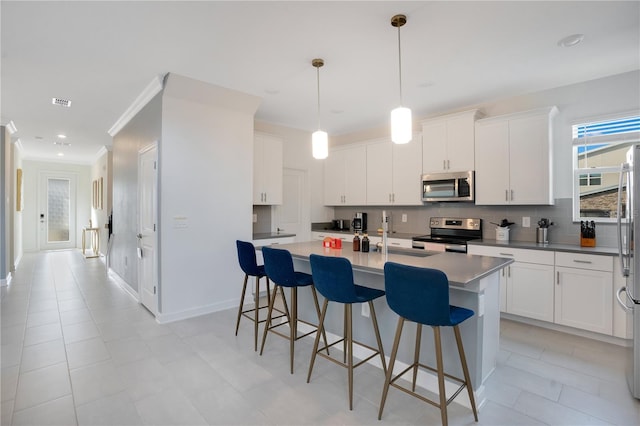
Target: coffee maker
x=360 y=222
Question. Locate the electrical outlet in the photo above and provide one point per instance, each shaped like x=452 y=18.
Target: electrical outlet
x=526 y=222
x=365 y=310
x=255 y=218
x=404 y=218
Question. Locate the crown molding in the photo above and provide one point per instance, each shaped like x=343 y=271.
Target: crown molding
x=18 y=145
x=102 y=151
x=152 y=89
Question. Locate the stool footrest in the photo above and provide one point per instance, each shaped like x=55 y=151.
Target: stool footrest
x=423 y=398
x=375 y=352
x=298 y=337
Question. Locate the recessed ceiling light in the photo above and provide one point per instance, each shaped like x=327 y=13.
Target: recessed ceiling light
x=61 y=136
x=61 y=154
x=271 y=91
x=61 y=102
x=11 y=127
x=570 y=41
x=426 y=84
x=39 y=138
x=61 y=143
x=337 y=111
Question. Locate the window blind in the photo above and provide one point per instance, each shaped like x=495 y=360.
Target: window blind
x=626 y=129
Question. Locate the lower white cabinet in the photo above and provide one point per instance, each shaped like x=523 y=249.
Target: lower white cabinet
x=530 y=290
x=584 y=292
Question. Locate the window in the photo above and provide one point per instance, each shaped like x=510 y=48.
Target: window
x=599 y=148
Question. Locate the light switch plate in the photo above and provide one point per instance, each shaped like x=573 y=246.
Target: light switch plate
x=404 y=218
x=526 y=222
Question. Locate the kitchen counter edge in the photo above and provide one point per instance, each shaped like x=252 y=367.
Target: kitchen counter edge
x=269 y=235
x=569 y=248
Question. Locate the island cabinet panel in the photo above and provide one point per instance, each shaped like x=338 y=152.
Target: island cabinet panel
x=448 y=142
x=267 y=169
x=514 y=159
x=584 y=292
x=345 y=177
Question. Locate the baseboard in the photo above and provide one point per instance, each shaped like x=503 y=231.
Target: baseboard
x=122 y=283
x=6 y=281
x=17 y=262
x=163 y=318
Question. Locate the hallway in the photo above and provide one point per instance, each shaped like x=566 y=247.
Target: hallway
x=77 y=349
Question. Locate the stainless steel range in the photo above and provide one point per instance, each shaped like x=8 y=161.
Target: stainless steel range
x=449 y=234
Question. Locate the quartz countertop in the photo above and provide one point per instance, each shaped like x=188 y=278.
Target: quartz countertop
x=373 y=233
x=268 y=235
x=570 y=248
x=461 y=269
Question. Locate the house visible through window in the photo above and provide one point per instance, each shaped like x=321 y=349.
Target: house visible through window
x=599 y=149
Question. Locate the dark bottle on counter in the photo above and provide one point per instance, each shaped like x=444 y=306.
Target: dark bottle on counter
x=365 y=243
x=356 y=242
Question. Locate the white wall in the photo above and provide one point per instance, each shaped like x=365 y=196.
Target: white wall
x=205 y=176
x=30 y=221
x=101 y=169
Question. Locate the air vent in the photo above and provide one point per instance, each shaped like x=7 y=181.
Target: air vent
x=61 y=102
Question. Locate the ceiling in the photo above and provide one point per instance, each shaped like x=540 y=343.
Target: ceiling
x=102 y=55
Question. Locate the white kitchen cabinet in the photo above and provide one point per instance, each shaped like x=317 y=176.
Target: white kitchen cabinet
x=513 y=158
x=267 y=169
x=584 y=291
x=393 y=173
x=345 y=177
x=526 y=286
x=448 y=142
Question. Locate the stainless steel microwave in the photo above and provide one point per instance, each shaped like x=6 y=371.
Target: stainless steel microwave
x=454 y=186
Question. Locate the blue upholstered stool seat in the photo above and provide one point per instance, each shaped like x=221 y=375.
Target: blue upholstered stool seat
x=333 y=277
x=279 y=268
x=421 y=295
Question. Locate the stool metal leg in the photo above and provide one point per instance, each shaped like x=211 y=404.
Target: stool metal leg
x=324 y=333
x=394 y=352
x=440 y=365
x=374 y=320
x=244 y=290
x=267 y=324
x=344 y=333
x=293 y=324
x=465 y=370
x=317 y=339
x=348 y=310
x=416 y=356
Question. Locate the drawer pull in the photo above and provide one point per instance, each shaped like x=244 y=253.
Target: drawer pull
x=506 y=254
x=582 y=261
x=558 y=278
x=395 y=244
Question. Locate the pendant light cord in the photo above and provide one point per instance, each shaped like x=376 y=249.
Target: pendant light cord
x=318 y=79
x=399 y=65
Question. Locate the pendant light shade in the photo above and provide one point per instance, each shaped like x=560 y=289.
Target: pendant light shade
x=401 y=122
x=319 y=138
x=320 y=144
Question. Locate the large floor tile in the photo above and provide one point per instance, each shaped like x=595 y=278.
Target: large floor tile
x=128 y=350
x=43 y=355
x=169 y=407
x=58 y=412
x=42 y=333
x=86 y=352
x=96 y=381
x=9 y=378
x=42 y=385
x=6 y=412
x=144 y=378
x=75 y=316
x=553 y=413
x=609 y=411
x=42 y=318
x=79 y=331
x=117 y=409
x=10 y=354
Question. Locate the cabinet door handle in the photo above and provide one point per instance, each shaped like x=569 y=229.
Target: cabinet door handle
x=448 y=165
x=265 y=197
x=512 y=195
x=506 y=195
x=393 y=197
x=582 y=261
x=444 y=164
x=509 y=272
x=506 y=254
x=558 y=277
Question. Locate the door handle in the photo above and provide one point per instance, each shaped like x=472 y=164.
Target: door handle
x=139 y=236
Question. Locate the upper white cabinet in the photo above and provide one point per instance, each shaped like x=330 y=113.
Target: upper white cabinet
x=513 y=158
x=345 y=177
x=393 y=173
x=448 y=142
x=267 y=169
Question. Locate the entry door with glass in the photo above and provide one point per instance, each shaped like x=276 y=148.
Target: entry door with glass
x=57 y=211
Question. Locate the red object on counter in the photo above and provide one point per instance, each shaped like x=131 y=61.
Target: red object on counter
x=327 y=242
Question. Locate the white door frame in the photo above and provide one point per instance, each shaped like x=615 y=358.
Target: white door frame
x=148 y=285
x=43 y=210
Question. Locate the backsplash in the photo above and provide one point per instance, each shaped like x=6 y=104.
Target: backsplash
x=564 y=230
x=264 y=219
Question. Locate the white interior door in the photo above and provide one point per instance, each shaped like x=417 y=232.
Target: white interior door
x=147 y=240
x=57 y=207
x=293 y=216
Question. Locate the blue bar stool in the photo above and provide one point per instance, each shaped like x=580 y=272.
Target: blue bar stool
x=421 y=295
x=278 y=265
x=250 y=267
x=333 y=277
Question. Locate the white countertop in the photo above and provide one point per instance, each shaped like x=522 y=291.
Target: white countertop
x=570 y=248
x=461 y=269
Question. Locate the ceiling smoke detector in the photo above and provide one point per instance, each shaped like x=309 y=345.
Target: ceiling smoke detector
x=61 y=102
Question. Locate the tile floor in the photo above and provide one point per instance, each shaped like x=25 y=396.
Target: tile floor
x=76 y=349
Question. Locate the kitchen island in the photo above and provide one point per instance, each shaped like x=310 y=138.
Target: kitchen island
x=474 y=284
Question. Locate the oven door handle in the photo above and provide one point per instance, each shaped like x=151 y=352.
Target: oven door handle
x=455 y=249
x=417 y=245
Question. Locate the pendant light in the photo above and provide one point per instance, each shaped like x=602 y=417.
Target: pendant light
x=319 y=139
x=401 y=123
